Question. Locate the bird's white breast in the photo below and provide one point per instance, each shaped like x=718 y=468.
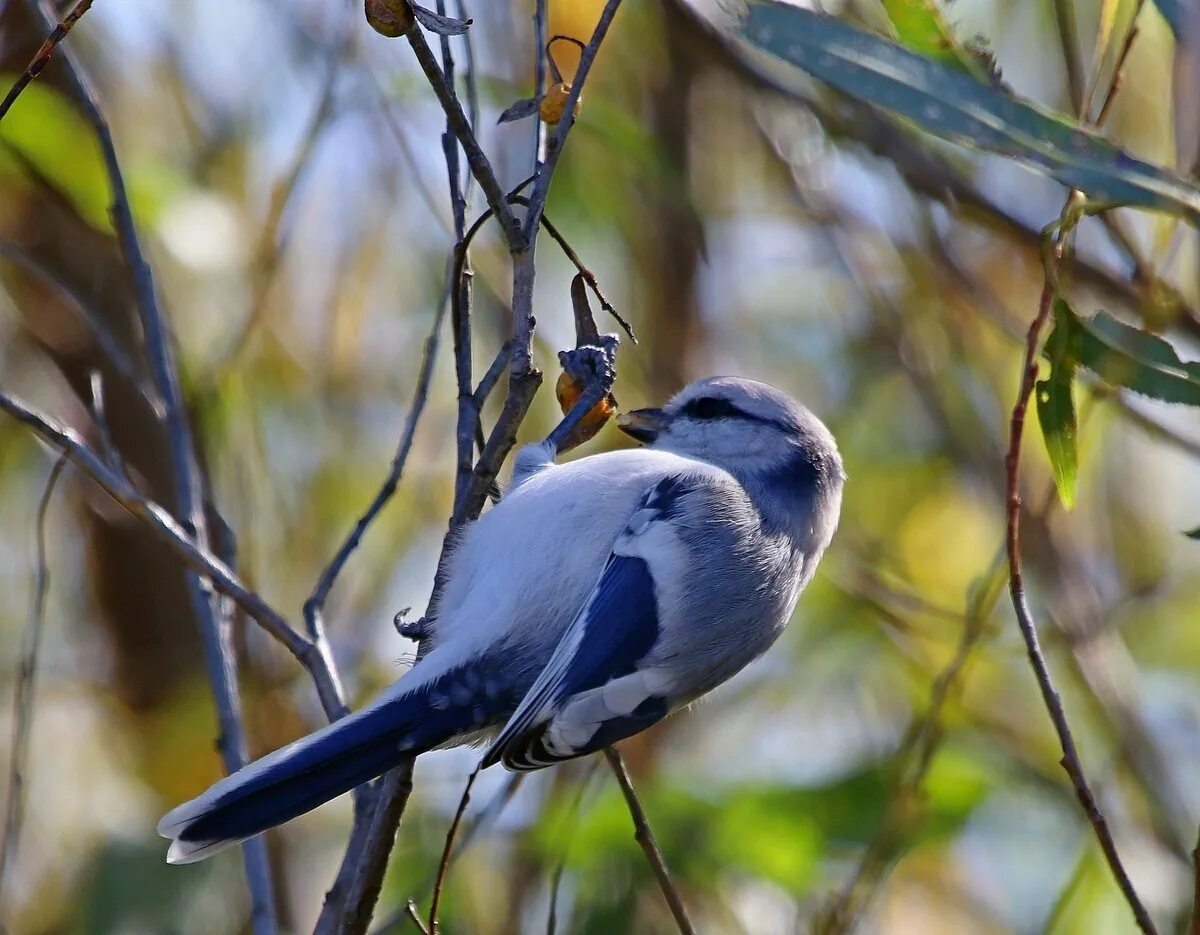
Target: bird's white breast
x=527 y=567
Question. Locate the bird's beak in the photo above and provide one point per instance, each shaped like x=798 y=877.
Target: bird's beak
x=643 y=424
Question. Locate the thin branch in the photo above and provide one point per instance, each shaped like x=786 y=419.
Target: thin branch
x=369 y=863
x=112 y=349
x=42 y=56
x=645 y=837
x=215 y=629
x=31 y=643
x=199 y=560
x=554 y=148
x=1070 y=760
x=481 y=167
x=540 y=15
x=314 y=606
x=448 y=849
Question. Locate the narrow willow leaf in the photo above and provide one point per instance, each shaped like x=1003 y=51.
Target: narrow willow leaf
x=442 y=25
x=1194 y=534
x=526 y=107
x=953 y=105
x=1126 y=356
x=920 y=25
x=1056 y=406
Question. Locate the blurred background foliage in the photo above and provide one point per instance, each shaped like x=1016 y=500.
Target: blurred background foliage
x=889 y=763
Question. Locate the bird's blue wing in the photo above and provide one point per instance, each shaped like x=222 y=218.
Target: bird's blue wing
x=597 y=688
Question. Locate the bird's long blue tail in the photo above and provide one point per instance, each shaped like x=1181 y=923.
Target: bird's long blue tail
x=320 y=767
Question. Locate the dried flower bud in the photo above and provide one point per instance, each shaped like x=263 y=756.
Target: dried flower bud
x=555 y=102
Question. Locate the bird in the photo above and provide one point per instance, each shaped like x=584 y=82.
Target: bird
x=594 y=599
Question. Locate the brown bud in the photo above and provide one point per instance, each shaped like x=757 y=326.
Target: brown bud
x=391 y=18
x=554 y=102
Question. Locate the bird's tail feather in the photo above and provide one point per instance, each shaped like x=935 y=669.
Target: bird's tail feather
x=309 y=772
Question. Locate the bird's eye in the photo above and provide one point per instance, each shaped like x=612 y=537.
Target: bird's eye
x=709 y=407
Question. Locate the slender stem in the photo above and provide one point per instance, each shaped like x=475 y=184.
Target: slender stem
x=315 y=604
x=31 y=644
x=42 y=57
x=1070 y=760
x=214 y=625
x=199 y=560
x=645 y=837
x=370 y=863
x=481 y=167
x=545 y=169
x=448 y=849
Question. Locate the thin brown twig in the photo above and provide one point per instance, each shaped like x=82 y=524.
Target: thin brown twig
x=31 y=643
x=42 y=57
x=645 y=837
x=168 y=530
x=1070 y=760
x=554 y=146
x=447 y=849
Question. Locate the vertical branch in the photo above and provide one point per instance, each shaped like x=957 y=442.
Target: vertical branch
x=645 y=837
x=545 y=169
x=540 y=14
x=220 y=661
x=31 y=644
x=1070 y=760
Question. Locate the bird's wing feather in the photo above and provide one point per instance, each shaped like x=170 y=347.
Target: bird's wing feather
x=597 y=686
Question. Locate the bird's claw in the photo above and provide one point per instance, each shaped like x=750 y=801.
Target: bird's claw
x=593 y=363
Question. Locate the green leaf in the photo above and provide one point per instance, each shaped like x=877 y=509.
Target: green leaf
x=955 y=106
x=1193 y=534
x=920 y=25
x=1056 y=406
x=47 y=131
x=1122 y=355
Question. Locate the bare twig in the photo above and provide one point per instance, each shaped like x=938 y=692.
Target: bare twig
x=645 y=837
x=447 y=850
x=31 y=643
x=165 y=527
x=114 y=352
x=42 y=56
x=315 y=604
x=481 y=167
x=367 y=864
x=1070 y=761
x=554 y=147
x=215 y=630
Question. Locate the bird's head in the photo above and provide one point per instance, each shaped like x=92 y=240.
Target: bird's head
x=748 y=428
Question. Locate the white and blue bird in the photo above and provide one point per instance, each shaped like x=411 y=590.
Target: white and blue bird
x=595 y=599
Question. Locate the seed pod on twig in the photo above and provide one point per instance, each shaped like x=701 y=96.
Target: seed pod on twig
x=391 y=18
x=554 y=102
